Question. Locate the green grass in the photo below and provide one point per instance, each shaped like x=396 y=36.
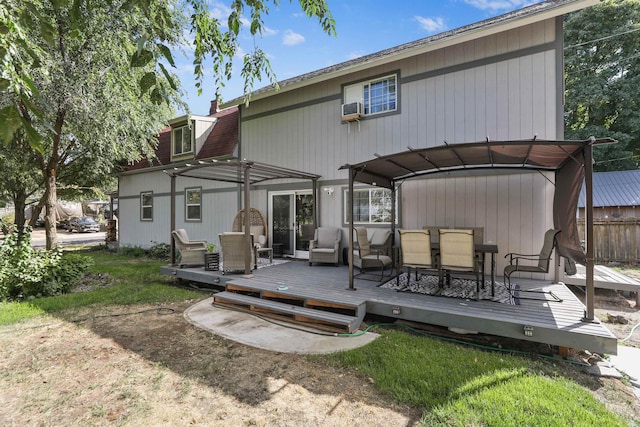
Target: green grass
x=457 y=385
x=454 y=385
x=137 y=281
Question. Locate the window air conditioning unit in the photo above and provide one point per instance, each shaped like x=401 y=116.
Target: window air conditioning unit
x=351 y=111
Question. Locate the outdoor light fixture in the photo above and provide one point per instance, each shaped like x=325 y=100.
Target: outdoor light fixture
x=328 y=190
x=528 y=330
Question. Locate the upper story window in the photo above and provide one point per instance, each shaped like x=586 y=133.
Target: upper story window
x=181 y=139
x=379 y=95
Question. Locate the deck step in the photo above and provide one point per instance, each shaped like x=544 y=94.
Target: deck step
x=319 y=319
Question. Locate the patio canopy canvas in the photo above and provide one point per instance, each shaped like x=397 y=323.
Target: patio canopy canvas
x=242 y=172
x=570 y=160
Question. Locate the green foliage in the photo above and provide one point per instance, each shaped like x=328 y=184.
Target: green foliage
x=159 y=251
x=26 y=272
x=602 y=64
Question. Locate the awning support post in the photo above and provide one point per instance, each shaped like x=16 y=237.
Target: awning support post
x=352 y=174
x=589 y=314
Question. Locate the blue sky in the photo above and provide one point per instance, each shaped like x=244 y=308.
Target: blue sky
x=296 y=44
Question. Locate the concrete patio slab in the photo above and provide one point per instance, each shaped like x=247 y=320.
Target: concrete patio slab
x=254 y=331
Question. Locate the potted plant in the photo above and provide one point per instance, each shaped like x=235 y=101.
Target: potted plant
x=212 y=258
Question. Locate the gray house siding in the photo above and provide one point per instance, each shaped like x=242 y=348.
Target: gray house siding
x=503 y=86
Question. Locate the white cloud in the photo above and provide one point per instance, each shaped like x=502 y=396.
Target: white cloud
x=292 y=38
x=496 y=5
x=431 y=25
x=266 y=31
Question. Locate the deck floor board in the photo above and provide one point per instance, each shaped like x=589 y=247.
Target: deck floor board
x=554 y=322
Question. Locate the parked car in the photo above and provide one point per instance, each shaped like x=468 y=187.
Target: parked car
x=84 y=224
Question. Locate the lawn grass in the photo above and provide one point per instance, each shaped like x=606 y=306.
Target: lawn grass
x=457 y=385
x=453 y=384
x=136 y=281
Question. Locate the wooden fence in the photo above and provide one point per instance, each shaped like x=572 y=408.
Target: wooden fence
x=616 y=239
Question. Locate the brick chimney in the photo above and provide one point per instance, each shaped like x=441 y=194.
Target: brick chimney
x=214 y=107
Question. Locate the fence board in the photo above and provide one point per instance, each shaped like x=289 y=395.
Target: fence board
x=616 y=239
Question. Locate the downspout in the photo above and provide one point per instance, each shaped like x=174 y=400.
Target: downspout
x=316 y=208
x=588 y=180
x=173 y=219
x=351 y=230
x=247 y=222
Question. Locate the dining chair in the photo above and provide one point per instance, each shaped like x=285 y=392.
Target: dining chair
x=458 y=255
x=415 y=253
x=535 y=263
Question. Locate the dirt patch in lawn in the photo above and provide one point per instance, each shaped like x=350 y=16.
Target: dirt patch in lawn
x=144 y=365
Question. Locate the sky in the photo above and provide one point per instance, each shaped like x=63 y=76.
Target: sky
x=296 y=44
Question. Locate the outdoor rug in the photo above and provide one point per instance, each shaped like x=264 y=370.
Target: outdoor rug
x=459 y=288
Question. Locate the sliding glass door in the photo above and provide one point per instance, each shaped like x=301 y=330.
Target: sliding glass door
x=291 y=222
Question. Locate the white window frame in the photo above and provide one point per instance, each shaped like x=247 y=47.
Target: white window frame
x=186 y=129
x=371 y=209
x=188 y=204
x=146 y=207
x=361 y=92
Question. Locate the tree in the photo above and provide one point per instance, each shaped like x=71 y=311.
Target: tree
x=86 y=79
x=90 y=109
x=20 y=178
x=602 y=64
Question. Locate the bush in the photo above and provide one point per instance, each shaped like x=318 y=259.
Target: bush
x=159 y=251
x=26 y=272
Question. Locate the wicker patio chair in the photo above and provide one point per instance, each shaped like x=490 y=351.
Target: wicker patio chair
x=257 y=226
x=191 y=251
x=542 y=259
x=233 y=251
x=367 y=257
x=325 y=246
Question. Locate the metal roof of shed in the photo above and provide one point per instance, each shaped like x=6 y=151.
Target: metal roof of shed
x=618 y=188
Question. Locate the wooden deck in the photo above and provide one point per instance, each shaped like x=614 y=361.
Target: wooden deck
x=555 y=323
x=603 y=277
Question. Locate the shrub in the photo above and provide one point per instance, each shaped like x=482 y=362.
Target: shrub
x=26 y=272
x=159 y=251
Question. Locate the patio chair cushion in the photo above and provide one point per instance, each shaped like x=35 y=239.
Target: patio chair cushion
x=379 y=237
x=326 y=238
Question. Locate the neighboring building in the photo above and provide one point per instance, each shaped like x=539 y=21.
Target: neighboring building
x=500 y=79
x=615 y=195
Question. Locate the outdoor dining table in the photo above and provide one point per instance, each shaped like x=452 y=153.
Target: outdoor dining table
x=482 y=249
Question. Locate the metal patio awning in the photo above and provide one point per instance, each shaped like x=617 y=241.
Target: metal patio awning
x=244 y=172
x=532 y=154
x=232 y=170
x=571 y=160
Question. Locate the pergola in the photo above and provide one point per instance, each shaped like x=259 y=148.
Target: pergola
x=241 y=172
x=572 y=162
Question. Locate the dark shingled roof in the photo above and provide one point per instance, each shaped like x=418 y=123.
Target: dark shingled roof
x=619 y=188
x=222 y=141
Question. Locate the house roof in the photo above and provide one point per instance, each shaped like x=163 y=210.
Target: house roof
x=221 y=141
x=528 y=15
x=532 y=154
x=619 y=188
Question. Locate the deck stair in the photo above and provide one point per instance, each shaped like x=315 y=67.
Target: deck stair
x=311 y=312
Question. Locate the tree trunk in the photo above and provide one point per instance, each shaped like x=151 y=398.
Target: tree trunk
x=20 y=203
x=50 y=210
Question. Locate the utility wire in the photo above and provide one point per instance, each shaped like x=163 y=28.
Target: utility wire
x=633 y=30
